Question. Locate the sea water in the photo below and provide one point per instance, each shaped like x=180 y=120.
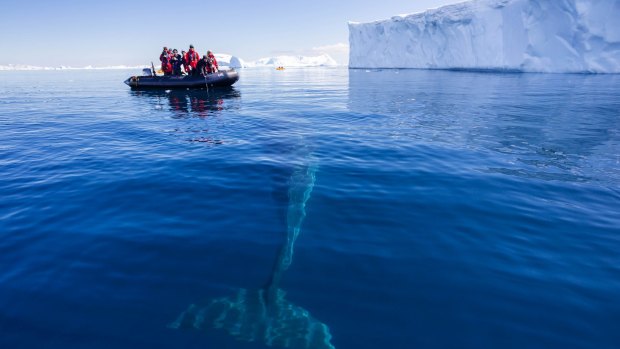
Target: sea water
x=445 y=209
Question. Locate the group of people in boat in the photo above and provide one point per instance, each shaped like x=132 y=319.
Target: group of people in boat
x=190 y=63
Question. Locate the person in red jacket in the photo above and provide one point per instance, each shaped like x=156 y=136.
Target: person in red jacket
x=164 y=53
x=192 y=57
x=215 y=67
x=186 y=66
x=166 y=65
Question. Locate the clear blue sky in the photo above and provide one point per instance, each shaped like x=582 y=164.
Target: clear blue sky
x=114 y=32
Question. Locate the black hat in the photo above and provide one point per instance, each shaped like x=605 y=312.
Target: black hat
x=191 y=46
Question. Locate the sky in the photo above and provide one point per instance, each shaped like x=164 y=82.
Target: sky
x=113 y=32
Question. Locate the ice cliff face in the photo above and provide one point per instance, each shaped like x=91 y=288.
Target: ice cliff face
x=519 y=35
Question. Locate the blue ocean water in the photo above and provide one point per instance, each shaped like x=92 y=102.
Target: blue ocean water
x=390 y=209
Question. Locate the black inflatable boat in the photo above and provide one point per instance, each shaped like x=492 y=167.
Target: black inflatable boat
x=220 y=79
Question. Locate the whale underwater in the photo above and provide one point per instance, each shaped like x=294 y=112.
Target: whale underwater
x=264 y=314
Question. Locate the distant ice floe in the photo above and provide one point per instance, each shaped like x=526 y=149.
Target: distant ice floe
x=323 y=60
x=574 y=36
x=224 y=61
x=89 y=67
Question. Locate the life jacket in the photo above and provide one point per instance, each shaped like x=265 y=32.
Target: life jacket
x=214 y=61
x=192 y=58
x=165 y=64
x=210 y=65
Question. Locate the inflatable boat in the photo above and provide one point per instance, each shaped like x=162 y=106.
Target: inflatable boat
x=222 y=78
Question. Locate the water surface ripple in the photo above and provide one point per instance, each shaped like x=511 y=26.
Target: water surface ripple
x=421 y=209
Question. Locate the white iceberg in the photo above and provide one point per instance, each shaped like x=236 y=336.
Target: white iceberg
x=226 y=60
x=23 y=67
x=62 y=67
x=323 y=60
x=515 y=35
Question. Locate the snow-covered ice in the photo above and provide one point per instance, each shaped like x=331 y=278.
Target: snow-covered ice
x=224 y=60
x=89 y=67
x=514 y=35
x=323 y=60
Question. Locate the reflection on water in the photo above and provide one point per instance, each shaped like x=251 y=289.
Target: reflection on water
x=192 y=103
x=547 y=125
x=452 y=210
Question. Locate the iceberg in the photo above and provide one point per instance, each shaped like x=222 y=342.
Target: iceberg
x=23 y=67
x=569 y=36
x=323 y=60
x=226 y=60
x=62 y=67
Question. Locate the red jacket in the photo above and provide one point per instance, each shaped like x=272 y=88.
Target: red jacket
x=214 y=61
x=161 y=56
x=166 y=67
x=186 y=63
x=192 y=58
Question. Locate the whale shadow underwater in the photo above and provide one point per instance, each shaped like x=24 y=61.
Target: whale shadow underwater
x=264 y=314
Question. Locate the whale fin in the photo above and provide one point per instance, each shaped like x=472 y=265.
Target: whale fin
x=246 y=316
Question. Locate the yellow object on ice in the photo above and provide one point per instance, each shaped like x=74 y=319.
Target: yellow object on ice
x=280 y=68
